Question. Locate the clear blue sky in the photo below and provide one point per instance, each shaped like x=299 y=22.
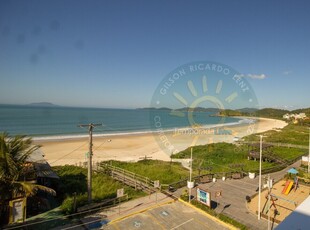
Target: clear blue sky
x=115 y=53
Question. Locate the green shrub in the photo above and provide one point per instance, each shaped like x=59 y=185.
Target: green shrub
x=73 y=180
x=221 y=157
x=68 y=204
x=290 y=134
x=165 y=172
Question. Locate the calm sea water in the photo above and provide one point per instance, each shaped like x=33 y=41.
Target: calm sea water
x=64 y=121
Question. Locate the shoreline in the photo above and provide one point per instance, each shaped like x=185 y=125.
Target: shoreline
x=45 y=138
x=134 y=146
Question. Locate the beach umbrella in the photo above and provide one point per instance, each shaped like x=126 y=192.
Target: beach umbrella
x=292 y=171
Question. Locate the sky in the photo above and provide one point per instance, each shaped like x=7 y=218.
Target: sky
x=115 y=53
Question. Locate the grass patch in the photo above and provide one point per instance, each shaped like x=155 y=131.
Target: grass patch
x=74 y=179
x=291 y=134
x=221 y=157
x=165 y=172
x=226 y=157
x=288 y=154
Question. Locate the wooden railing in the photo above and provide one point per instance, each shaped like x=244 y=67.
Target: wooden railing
x=132 y=179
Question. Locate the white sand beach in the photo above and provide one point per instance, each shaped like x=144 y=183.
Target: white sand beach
x=135 y=146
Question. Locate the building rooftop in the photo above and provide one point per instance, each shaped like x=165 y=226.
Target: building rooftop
x=41 y=166
x=298 y=219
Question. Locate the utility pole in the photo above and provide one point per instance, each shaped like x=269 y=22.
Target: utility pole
x=260 y=175
x=90 y=154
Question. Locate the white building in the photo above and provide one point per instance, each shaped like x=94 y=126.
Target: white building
x=294 y=116
x=286 y=116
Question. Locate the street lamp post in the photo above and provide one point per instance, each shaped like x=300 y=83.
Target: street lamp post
x=260 y=175
x=190 y=177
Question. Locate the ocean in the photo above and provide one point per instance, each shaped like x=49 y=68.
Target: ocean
x=53 y=122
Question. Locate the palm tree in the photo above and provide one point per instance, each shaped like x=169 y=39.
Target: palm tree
x=14 y=152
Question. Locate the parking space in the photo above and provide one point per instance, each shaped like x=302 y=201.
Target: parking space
x=170 y=216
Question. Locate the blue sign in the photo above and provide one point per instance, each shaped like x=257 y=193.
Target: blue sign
x=204 y=197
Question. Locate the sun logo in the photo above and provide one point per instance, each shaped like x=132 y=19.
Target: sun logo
x=192 y=99
x=198 y=100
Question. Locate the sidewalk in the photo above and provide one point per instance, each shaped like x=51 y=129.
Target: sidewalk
x=133 y=207
x=119 y=212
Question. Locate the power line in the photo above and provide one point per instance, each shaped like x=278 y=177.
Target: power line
x=77 y=149
x=68 y=153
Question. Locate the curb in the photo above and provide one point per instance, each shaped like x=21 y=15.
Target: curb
x=209 y=216
x=140 y=211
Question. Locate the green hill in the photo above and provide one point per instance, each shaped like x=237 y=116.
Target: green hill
x=230 y=112
x=271 y=113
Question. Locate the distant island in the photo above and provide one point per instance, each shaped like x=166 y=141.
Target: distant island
x=42 y=104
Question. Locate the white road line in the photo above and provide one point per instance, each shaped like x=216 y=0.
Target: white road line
x=182 y=224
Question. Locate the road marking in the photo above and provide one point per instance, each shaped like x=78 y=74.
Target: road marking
x=182 y=224
x=208 y=215
x=156 y=221
x=203 y=224
x=140 y=211
x=137 y=224
x=164 y=213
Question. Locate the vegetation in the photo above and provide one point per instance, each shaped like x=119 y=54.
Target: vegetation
x=221 y=157
x=290 y=134
x=212 y=158
x=226 y=157
x=229 y=112
x=288 y=154
x=266 y=112
x=14 y=171
x=306 y=111
x=165 y=172
x=73 y=179
x=271 y=113
x=305 y=178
